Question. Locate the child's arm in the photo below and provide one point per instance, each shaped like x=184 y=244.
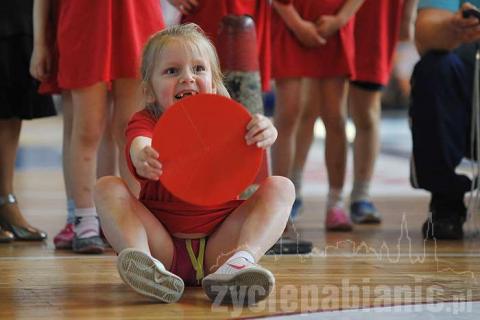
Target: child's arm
x=408 y=18
x=145 y=158
x=305 y=31
x=260 y=131
x=327 y=25
x=40 y=62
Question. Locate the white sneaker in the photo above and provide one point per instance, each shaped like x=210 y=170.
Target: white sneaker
x=238 y=282
x=148 y=276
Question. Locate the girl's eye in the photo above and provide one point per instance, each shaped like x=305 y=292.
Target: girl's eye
x=171 y=71
x=199 y=68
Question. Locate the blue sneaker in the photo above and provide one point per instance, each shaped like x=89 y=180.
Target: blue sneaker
x=296 y=209
x=364 y=212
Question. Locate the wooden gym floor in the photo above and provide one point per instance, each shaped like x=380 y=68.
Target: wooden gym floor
x=383 y=265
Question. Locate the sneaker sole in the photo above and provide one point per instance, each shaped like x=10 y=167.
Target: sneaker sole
x=63 y=244
x=92 y=248
x=139 y=271
x=340 y=228
x=367 y=219
x=249 y=286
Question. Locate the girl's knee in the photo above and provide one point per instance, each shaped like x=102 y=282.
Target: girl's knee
x=281 y=188
x=89 y=136
x=335 y=125
x=108 y=186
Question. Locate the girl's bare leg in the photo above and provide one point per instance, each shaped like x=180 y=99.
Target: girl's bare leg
x=145 y=248
x=128 y=224
x=126 y=102
x=333 y=114
x=365 y=111
x=254 y=226
x=89 y=114
x=287 y=113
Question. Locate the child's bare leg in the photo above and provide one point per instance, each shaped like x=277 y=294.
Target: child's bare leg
x=107 y=156
x=332 y=112
x=89 y=112
x=137 y=235
x=128 y=224
x=305 y=134
x=365 y=110
x=287 y=113
x=254 y=226
x=63 y=240
x=126 y=103
x=245 y=235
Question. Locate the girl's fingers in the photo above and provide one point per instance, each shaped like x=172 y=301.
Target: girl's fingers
x=256 y=126
x=154 y=164
x=150 y=152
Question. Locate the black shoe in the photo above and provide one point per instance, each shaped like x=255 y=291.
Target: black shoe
x=290 y=246
x=443 y=229
x=448 y=213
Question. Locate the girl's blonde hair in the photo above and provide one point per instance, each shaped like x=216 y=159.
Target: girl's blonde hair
x=193 y=37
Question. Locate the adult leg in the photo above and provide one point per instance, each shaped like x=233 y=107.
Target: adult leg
x=140 y=239
x=11 y=218
x=126 y=102
x=440 y=113
x=365 y=111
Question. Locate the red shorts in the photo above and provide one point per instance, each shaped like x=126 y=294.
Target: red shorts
x=182 y=264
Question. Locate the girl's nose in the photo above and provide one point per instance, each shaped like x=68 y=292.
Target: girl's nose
x=187 y=77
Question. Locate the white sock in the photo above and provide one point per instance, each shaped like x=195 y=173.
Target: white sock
x=334 y=198
x=86 y=223
x=360 y=191
x=70 y=211
x=235 y=263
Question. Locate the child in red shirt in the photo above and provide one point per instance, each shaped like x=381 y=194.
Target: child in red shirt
x=164 y=242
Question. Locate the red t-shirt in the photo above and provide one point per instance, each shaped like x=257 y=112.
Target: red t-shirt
x=176 y=215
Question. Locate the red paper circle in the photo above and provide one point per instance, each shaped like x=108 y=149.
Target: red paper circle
x=201 y=142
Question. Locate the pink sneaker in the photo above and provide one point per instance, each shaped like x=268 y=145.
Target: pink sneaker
x=63 y=240
x=337 y=220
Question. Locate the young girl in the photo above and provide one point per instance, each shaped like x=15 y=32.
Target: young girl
x=98 y=53
x=161 y=247
x=378 y=25
x=314 y=42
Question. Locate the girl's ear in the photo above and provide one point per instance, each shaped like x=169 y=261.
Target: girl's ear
x=148 y=94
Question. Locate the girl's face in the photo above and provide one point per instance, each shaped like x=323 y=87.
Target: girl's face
x=179 y=72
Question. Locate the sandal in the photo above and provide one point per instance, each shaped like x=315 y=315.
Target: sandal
x=19 y=232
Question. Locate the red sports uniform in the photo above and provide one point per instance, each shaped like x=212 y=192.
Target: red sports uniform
x=293 y=60
x=102 y=41
x=377 y=27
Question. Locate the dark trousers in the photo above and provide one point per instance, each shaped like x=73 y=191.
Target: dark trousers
x=440 y=115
